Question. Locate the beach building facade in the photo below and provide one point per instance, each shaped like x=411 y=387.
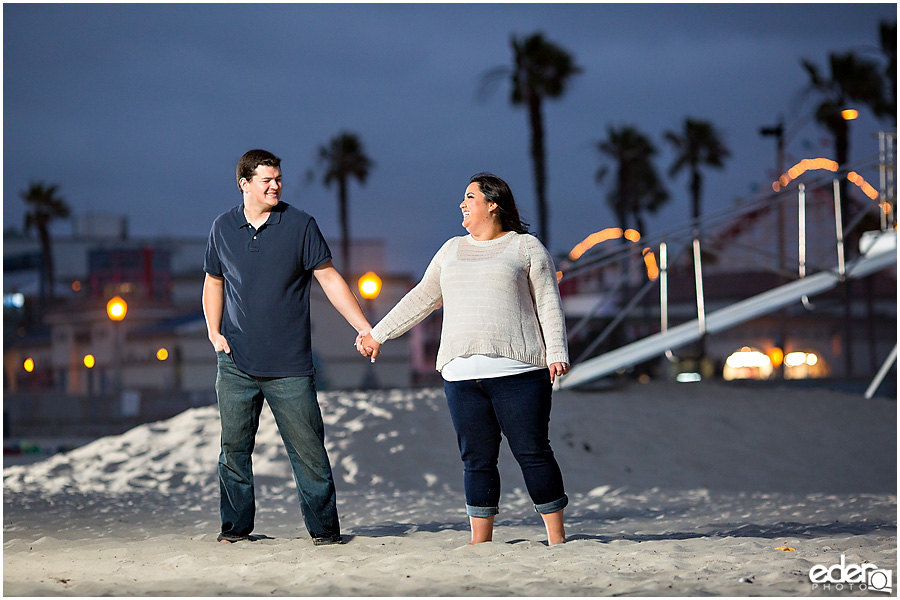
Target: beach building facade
x=67 y=360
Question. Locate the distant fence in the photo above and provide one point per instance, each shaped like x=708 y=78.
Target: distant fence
x=49 y=414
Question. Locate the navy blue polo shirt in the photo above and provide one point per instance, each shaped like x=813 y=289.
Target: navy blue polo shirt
x=267 y=274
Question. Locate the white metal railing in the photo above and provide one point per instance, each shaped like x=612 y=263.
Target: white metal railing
x=879 y=258
x=667 y=339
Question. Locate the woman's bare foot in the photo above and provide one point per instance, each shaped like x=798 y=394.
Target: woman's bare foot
x=482 y=529
x=554 y=542
x=556 y=531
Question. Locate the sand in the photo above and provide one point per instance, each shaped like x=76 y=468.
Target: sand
x=675 y=490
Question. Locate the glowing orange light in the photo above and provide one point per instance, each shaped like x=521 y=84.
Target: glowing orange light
x=632 y=236
x=162 y=354
x=28 y=364
x=116 y=309
x=650 y=262
x=849 y=114
x=89 y=361
x=807 y=164
x=592 y=240
x=559 y=276
x=610 y=233
x=867 y=189
x=776 y=355
x=76 y=286
x=370 y=285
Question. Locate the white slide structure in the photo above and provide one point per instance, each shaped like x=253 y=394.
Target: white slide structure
x=879 y=252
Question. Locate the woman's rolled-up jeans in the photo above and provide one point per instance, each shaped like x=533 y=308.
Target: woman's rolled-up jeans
x=517 y=406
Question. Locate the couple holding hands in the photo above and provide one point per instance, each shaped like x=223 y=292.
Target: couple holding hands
x=503 y=343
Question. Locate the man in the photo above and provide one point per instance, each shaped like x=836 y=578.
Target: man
x=260 y=260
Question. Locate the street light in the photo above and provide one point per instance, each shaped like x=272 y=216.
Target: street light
x=116 y=308
x=369 y=288
x=370 y=285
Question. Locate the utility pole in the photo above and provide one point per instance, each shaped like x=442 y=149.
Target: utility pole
x=777 y=131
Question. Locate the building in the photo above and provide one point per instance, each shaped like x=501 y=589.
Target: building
x=157 y=360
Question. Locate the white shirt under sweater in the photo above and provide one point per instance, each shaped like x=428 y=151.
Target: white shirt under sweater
x=500 y=299
x=480 y=366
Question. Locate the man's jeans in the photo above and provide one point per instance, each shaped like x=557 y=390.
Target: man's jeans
x=296 y=410
x=517 y=406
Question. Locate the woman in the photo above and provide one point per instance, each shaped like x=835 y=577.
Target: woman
x=503 y=342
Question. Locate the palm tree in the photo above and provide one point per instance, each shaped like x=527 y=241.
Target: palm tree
x=44 y=205
x=342 y=158
x=540 y=70
x=697 y=146
x=638 y=187
x=852 y=79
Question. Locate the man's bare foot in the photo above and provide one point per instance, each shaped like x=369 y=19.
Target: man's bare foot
x=224 y=542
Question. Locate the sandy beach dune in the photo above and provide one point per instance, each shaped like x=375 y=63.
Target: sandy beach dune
x=675 y=489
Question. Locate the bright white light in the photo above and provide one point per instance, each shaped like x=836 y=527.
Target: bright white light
x=15 y=300
x=795 y=359
x=369 y=286
x=747 y=363
x=687 y=377
x=811 y=359
x=748 y=358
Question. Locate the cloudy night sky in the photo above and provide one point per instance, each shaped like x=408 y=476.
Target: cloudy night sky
x=144 y=109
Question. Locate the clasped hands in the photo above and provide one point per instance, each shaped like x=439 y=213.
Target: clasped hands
x=367 y=346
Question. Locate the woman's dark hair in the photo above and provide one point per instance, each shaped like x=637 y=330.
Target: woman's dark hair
x=246 y=167
x=497 y=191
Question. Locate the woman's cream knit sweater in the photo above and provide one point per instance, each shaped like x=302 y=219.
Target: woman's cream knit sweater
x=500 y=298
